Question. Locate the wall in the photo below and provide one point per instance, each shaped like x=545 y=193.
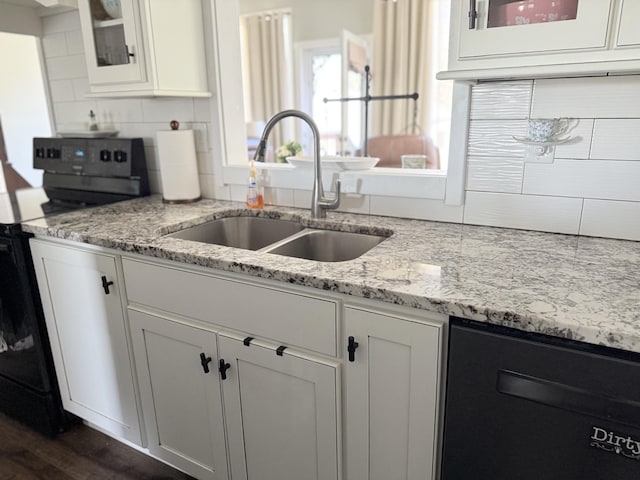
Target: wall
x=23 y=103
x=134 y=117
x=590 y=188
x=593 y=185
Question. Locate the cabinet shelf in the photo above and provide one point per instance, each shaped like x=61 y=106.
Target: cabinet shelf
x=108 y=23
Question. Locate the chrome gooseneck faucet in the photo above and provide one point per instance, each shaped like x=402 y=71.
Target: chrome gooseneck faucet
x=319 y=203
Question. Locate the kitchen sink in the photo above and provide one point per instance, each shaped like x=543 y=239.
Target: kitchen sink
x=249 y=233
x=327 y=245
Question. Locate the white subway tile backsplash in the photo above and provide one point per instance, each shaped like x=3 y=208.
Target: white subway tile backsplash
x=80 y=88
x=205 y=163
x=607 y=218
x=238 y=193
x=164 y=110
x=68 y=67
x=151 y=156
x=354 y=204
x=494 y=138
x=120 y=111
x=529 y=212
x=73 y=112
x=617 y=180
x=302 y=198
x=580 y=146
x=62 y=22
x=418 y=208
x=155 y=182
x=210 y=189
x=278 y=196
x=202 y=110
x=54 y=45
x=61 y=90
x=74 y=42
x=501 y=100
x=201 y=137
x=592 y=97
x=616 y=139
x=599 y=168
x=495 y=174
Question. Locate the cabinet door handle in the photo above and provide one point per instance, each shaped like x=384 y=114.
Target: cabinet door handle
x=223 y=369
x=473 y=14
x=351 y=348
x=106 y=285
x=128 y=53
x=204 y=361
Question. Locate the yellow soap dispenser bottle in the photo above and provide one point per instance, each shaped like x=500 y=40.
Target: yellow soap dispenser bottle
x=254 y=192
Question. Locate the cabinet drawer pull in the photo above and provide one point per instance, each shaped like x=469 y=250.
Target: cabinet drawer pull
x=204 y=361
x=280 y=350
x=223 y=369
x=247 y=341
x=473 y=14
x=351 y=348
x=106 y=285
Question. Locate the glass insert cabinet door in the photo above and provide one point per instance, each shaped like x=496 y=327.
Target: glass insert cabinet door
x=509 y=27
x=111 y=33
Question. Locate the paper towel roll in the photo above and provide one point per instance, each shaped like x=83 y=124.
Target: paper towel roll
x=178 y=166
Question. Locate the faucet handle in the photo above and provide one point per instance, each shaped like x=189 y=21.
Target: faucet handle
x=332 y=203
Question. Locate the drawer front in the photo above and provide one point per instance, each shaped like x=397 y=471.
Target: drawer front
x=291 y=318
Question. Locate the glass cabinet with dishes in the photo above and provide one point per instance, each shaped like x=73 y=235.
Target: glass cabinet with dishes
x=112 y=41
x=541 y=38
x=144 y=47
x=503 y=27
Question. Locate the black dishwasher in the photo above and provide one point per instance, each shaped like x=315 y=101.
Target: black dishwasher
x=530 y=407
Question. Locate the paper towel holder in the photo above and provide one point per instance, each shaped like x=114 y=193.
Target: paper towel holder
x=187 y=189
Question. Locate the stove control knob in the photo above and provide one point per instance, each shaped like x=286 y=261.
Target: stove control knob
x=40 y=152
x=120 y=156
x=105 y=155
x=53 y=153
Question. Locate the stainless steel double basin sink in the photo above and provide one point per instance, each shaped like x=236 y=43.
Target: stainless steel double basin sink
x=281 y=237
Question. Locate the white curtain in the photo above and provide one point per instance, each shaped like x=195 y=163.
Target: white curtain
x=410 y=47
x=267 y=66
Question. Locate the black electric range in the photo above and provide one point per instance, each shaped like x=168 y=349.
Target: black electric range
x=78 y=173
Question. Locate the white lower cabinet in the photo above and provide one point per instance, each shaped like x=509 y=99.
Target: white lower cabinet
x=82 y=301
x=253 y=390
x=282 y=413
x=178 y=376
x=392 y=380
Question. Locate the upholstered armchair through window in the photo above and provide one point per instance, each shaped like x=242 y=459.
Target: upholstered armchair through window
x=390 y=148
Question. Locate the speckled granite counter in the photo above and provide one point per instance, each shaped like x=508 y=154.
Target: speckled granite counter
x=581 y=288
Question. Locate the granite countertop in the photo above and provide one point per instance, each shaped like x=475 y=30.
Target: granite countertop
x=581 y=288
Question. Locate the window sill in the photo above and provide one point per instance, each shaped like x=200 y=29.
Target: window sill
x=426 y=184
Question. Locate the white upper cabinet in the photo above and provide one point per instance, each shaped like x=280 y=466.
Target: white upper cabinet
x=503 y=28
x=541 y=38
x=629 y=32
x=144 y=47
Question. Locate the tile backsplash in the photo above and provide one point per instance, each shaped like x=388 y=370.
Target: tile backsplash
x=132 y=117
x=591 y=188
x=593 y=185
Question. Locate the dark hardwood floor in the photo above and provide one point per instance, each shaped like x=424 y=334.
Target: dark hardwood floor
x=80 y=453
